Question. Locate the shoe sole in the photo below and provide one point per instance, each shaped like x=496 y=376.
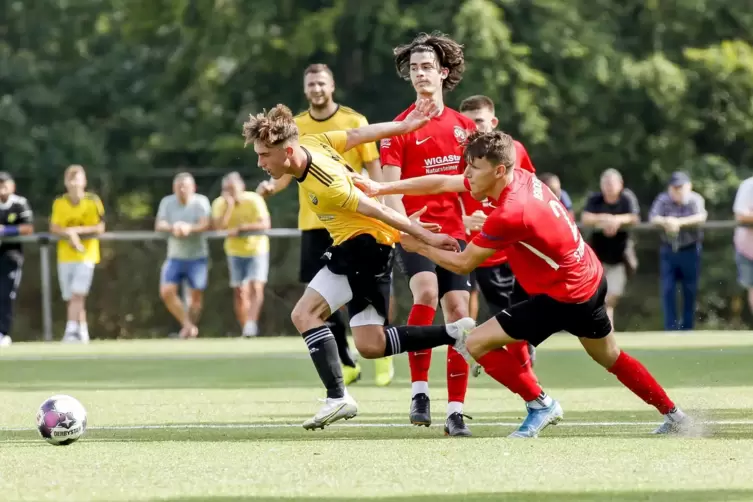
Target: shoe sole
x=553 y=421
x=420 y=423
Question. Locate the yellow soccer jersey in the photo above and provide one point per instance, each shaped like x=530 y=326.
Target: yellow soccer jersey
x=250 y=208
x=88 y=212
x=343 y=119
x=328 y=192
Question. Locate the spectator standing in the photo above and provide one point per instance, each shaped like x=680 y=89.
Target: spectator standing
x=16 y=218
x=610 y=213
x=679 y=212
x=238 y=211
x=186 y=216
x=743 y=209
x=78 y=217
x=553 y=182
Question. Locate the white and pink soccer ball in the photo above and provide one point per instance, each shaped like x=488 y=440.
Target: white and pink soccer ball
x=61 y=420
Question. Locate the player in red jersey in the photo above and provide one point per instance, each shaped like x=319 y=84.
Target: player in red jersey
x=493 y=277
x=554 y=265
x=434 y=64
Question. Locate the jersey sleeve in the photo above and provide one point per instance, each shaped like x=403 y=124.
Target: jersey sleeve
x=500 y=230
x=367 y=151
x=743 y=199
x=566 y=200
x=260 y=207
x=337 y=140
x=98 y=209
x=633 y=205
x=218 y=207
x=25 y=215
x=392 y=151
x=206 y=208
x=57 y=216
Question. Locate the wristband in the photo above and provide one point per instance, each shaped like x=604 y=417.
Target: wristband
x=10 y=230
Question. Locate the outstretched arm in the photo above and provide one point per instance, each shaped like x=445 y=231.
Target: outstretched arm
x=460 y=263
x=424 y=111
x=422 y=185
x=411 y=226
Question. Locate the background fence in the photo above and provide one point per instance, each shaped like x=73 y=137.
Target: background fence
x=125 y=303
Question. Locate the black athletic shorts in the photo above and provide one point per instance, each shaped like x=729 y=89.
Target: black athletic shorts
x=539 y=317
x=368 y=268
x=314 y=243
x=414 y=263
x=499 y=287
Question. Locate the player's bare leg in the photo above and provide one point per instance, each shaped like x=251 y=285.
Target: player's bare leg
x=425 y=292
x=309 y=317
x=455 y=307
x=173 y=303
x=255 y=302
x=633 y=375
x=486 y=344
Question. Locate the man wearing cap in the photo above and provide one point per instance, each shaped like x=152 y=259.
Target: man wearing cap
x=15 y=219
x=679 y=212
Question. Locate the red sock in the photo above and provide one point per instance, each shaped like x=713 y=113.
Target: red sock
x=505 y=369
x=457 y=376
x=633 y=375
x=420 y=362
x=519 y=350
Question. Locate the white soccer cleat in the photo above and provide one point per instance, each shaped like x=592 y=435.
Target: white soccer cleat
x=332 y=411
x=5 y=341
x=677 y=423
x=462 y=329
x=70 y=337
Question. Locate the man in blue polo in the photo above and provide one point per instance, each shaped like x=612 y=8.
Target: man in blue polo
x=679 y=212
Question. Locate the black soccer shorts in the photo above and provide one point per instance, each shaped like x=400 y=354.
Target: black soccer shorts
x=541 y=316
x=368 y=268
x=414 y=263
x=500 y=288
x=314 y=243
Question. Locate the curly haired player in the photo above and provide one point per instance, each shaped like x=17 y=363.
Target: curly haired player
x=358 y=264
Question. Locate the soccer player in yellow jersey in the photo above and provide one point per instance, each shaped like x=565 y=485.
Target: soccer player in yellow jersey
x=325 y=115
x=77 y=217
x=237 y=211
x=357 y=266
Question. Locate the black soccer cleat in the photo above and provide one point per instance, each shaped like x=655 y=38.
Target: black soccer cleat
x=420 y=410
x=455 y=425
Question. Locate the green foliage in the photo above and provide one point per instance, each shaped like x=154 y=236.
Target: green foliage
x=129 y=86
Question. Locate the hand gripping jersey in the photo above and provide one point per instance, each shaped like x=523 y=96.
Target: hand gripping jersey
x=436 y=148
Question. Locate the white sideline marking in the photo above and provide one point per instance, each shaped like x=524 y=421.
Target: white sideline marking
x=363 y=426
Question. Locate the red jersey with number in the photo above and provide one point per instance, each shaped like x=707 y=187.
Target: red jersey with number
x=436 y=148
x=471 y=205
x=546 y=252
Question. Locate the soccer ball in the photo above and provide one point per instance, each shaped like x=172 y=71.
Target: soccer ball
x=61 y=420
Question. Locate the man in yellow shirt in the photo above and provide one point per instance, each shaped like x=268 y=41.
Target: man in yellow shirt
x=356 y=269
x=237 y=211
x=77 y=218
x=325 y=115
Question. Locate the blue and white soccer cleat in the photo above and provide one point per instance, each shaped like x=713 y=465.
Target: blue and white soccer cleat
x=538 y=419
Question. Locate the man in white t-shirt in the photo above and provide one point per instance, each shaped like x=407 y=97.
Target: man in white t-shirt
x=743 y=209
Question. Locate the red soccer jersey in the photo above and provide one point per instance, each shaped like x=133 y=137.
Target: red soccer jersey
x=436 y=148
x=544 y=247
x=472 y=205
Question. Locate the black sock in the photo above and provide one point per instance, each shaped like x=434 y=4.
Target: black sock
x=323 y=352
x=336 y=324
x=412 y=338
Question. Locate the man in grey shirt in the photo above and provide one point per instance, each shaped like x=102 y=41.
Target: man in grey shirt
x=679 y=212
x=186 y=216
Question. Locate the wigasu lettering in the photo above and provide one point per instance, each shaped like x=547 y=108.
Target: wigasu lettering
x=446 y=159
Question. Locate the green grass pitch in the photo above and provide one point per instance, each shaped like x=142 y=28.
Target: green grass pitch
x=220 y=420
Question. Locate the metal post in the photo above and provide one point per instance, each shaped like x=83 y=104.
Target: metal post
x=44 y=269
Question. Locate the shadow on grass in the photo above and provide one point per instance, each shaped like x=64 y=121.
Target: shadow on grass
x=612 y=496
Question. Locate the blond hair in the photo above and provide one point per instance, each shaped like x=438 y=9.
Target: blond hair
x=273 y=128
